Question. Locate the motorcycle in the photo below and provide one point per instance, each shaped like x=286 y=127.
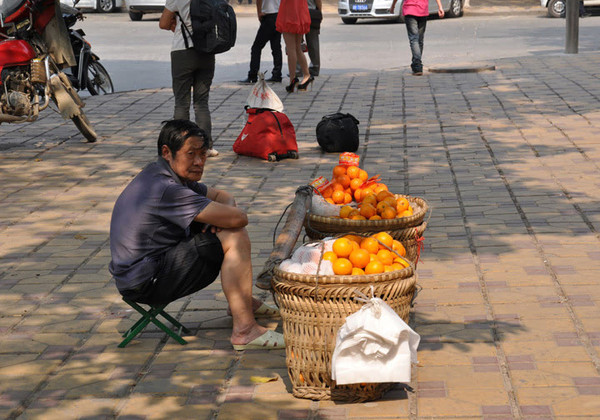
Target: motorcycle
x=29 y=75
x=88 y=73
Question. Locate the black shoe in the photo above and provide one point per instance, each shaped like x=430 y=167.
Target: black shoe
x=274 y=79
x=248 y=81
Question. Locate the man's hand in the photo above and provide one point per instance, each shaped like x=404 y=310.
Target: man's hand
x=211 y=229
x=261 y=15
x=441 y=13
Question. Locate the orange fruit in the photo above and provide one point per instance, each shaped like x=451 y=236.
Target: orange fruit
x=370 y=199
x=358 y=217
x=384 y=238
x=385 y=256
x=337 y=186
x=359 y=258
x=327 y=192
x=402 y=204
x=370 y=244
x=388 y=268
x=383 y=194
x=368 y=210
x=353 y=172
x=358 y=195
x=348 y=199
x=401 y=261
x=330 y=256
x=374 y=267
x=342 y=247
x=399 y=248
x=380 y=186
x=391 y=200
x=397 y=266
x=344 y=180
x=355 y=183
x=353 y=213
x=376 y=217
x=339 y=170
x=345 y=211
x=355 y=246
x=363 y=175
x=388 y=213
x=329 y=200
x=380 y=206
x=355 y=238
x=342 y=267
x=373 y=257
x=357 y=271
x=405 y=213
x=338 y=197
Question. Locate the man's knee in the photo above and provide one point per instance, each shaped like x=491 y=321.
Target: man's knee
x=234 y=239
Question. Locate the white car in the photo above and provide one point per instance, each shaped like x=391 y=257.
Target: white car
x=351 y=10
x=105 y=6
x=137 y=8
x=556 y=8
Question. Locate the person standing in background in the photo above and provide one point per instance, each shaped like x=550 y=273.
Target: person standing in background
x=293 y=21
x=315 y=9
x=415 y=14
x=190 y=70
x=267 y=15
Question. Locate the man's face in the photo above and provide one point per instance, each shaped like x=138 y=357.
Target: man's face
x=188 y=162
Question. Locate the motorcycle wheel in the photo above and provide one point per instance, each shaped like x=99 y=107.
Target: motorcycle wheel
x=98 y=82
x=84 y=125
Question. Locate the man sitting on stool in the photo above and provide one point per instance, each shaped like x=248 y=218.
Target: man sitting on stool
x=171 y=235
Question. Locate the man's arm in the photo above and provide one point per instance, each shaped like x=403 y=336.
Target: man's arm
x=440 y=9
x=259 y=12
x=168 y=20
x=222 y=212
x=319 y=5
x=392 y=6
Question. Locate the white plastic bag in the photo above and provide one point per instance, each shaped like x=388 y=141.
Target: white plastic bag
x=262 y=96
x=374 y=345
x=320 y=207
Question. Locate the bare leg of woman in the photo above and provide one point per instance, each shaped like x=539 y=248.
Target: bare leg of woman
x=290 y=46
x=301 y=58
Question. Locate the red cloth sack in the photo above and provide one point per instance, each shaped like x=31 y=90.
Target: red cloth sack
x=267 y=135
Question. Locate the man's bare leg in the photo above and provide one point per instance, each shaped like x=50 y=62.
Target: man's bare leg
x=236 y=280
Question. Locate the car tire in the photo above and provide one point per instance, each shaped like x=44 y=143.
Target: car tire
x=349 y=21
x=105 y=6
x=456 y=9
x=135 y=16
x=556 y=8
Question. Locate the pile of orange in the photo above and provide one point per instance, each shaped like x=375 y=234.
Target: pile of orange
x=355 y=255
x=378 y=206
x=347 y=185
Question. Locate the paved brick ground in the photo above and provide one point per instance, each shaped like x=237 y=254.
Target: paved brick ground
x=509 y=307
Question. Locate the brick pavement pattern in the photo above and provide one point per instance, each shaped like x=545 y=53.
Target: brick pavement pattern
x=509 y=307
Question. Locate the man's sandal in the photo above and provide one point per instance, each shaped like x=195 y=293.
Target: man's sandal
x=266 y=311
x=270 y=340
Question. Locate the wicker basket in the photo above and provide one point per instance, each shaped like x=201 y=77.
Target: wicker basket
x=313 y=308
x=317 y=227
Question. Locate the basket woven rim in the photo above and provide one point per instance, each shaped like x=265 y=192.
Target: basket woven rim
x=384 y=223
x=404 y=274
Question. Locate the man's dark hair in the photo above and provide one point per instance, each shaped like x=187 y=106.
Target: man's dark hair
x=175 y=132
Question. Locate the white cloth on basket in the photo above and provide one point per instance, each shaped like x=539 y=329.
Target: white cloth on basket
x=374 y=345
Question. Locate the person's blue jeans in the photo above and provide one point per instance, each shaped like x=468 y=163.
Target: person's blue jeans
x=415 y=26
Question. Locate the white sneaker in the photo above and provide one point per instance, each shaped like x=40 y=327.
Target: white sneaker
x=212 y=153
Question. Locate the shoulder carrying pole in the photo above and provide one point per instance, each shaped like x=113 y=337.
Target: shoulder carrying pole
x=287 y=238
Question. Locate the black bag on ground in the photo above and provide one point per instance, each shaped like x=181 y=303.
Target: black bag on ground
x=338 y=133
x=214 y=26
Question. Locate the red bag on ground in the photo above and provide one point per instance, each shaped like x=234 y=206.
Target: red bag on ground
x=267 y=135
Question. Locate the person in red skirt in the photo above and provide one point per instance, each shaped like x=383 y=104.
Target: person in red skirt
x=293 y=21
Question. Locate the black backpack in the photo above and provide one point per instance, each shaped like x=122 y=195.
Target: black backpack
x=214 y=27
x=338 y=133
